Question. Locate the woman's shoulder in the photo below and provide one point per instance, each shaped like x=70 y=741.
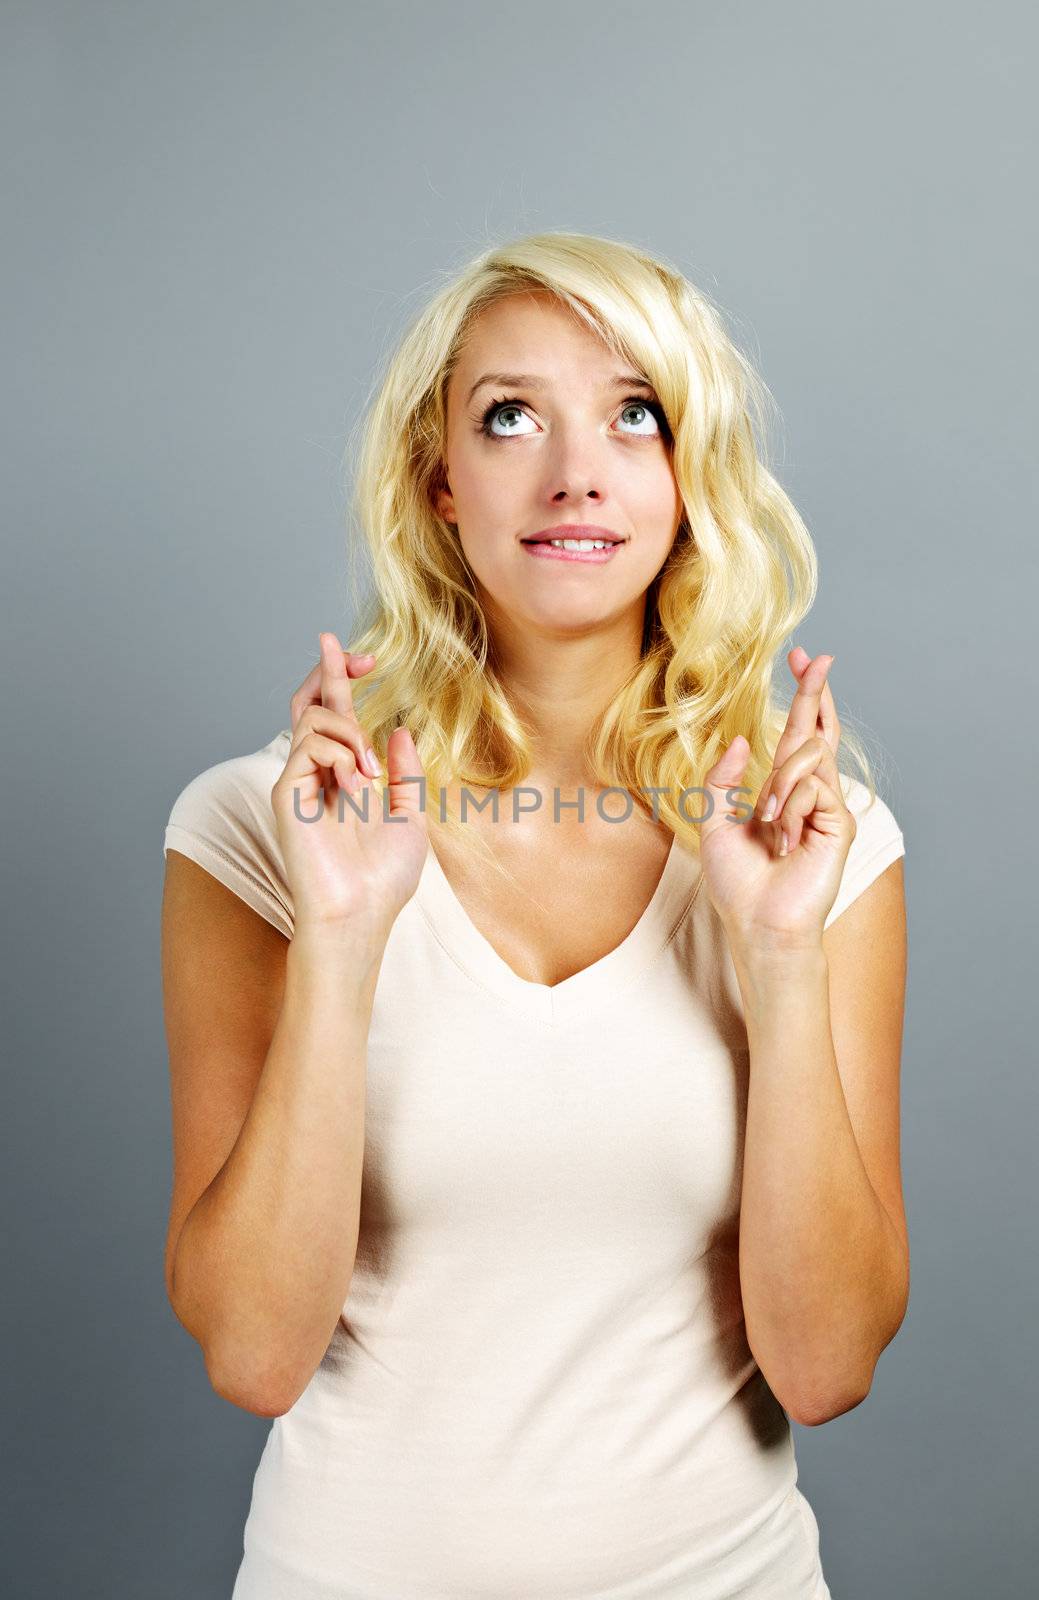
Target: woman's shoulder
x=237 y=787
x=224 y=820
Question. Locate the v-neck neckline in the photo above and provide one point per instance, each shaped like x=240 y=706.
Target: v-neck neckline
x=455 y=930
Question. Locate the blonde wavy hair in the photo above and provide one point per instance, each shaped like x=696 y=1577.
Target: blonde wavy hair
x=741 y=576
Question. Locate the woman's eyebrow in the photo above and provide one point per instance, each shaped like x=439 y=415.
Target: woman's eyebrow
x=530 y=380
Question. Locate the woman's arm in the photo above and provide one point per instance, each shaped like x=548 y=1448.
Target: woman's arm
x=824 y=1249
x=267 y=1047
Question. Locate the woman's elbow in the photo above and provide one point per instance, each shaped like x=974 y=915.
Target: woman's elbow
x=263 y=1397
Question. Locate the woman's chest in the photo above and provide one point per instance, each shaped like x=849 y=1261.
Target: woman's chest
x=623 y=1120
x=571 y=897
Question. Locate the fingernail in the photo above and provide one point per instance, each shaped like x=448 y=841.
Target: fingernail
x=373 y=762
x=783 y=844
x=770 y=810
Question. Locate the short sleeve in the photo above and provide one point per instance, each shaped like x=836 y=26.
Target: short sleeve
x=877 y=843
x=223 y=819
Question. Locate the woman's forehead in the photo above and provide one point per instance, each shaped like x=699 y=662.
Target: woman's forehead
x=523 y=331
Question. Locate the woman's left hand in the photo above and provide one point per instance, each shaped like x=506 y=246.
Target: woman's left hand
x=766 y=899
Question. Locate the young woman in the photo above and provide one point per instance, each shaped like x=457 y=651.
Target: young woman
x=534 y=1001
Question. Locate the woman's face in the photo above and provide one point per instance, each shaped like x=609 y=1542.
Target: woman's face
x=570 y=445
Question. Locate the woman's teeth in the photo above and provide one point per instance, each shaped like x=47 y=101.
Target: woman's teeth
x=579 y=544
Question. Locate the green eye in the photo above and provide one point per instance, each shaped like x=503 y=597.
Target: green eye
x=512 y=403
x=496 y=406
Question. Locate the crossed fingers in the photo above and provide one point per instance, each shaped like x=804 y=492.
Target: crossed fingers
x=804 y=774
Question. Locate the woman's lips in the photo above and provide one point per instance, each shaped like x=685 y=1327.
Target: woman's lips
x=550 y=552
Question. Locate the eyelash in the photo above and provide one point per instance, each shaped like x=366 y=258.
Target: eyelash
x=632 y=400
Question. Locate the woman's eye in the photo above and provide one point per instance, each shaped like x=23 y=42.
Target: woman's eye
x=502 y=408
x=653 y=413
x=510 y=413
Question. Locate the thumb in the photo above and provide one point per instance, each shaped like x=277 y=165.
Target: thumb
x=725 y=776
x=405 y=775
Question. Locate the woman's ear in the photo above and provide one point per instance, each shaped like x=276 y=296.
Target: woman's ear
x=445 y=505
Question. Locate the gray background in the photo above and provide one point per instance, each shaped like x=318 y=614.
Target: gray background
x=218 y=217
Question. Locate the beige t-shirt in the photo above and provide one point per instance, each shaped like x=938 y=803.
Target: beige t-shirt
x=540 y=1386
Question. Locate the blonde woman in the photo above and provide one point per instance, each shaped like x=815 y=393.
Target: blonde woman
x=534 y=1001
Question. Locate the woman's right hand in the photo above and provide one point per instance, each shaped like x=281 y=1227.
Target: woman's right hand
x=360 y=869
